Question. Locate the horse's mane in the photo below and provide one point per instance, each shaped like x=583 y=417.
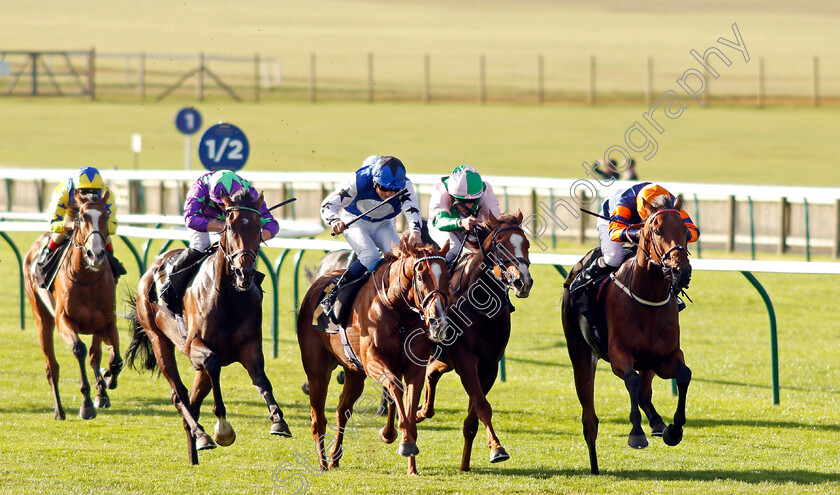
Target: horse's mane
x=662 y=202
x=421 y=250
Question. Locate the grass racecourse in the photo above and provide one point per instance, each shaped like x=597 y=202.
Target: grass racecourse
x=735 y=440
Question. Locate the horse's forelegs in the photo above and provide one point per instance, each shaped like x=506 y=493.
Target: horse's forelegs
x=200 y=388
x=253 y=361
x=470 y=430
x=354 y=384
x=637 y=438
x=205 y=360
x=95 y=357
x=69 y=332
x=479 y=409
x=657 y=426
x=673 y=433
x=433 y=373
x=115 y=363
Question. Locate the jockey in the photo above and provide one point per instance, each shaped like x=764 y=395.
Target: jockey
x=459 y=202
x=625 y=209
x=378 y=180
x=91 y=187
x=203 y=214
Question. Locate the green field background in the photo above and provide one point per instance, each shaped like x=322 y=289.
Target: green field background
x=735 y=441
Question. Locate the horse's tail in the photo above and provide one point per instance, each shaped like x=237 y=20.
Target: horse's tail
x=140 y=346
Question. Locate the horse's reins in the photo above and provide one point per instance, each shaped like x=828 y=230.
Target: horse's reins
x=229 y=257
x=383 y=296
x=81 y=247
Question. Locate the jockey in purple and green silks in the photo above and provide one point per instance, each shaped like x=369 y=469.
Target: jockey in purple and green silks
x=458 y=203
x=203 y=214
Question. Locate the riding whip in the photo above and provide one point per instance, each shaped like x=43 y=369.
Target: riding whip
x=278 y=205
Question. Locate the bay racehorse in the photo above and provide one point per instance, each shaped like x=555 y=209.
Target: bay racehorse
x=395 y=314
x=222 y=324
x=638 y=309
x=479 y=324
x=84 y=294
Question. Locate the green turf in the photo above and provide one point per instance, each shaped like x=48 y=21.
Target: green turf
x=779 y=145
x=735 y=441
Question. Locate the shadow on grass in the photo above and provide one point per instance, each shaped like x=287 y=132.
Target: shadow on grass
x=557 y=363
x=750 y=423
x=752 y=476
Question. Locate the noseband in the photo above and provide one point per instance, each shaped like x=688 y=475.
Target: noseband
x=667 y=271
x=493 y=253
x=81 y=245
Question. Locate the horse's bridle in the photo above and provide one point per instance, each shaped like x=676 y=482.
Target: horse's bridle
x=229 y=257
x=418 y=305
x=667 y=271
x=493 y=253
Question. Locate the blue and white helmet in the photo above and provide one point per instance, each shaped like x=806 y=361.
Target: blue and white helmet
x=388 y=172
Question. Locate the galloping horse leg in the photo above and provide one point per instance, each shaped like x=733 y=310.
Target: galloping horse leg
x=584 y=364
x=197 y=439
x=433 y=373
x=622 y=367
x=253 y=361
x=388 y=433
x=204 y=359
x=115 y=363
x=318 y=377
x=392 y=384
x=46 y=324
x=479 y=409
x=414 y=377
x=657 y=426
x=354 y=385
x=676 y=368
x=94 y=357
x=69 y=331
x=200 y=388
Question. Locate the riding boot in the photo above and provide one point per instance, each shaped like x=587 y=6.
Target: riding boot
x=680 y=302
x=355 y=270
x=176 y=283
x=509 y=304
x=117 y=267
x=587 y=275
x=46 y=263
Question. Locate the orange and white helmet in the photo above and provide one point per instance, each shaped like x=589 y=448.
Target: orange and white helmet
x=650 y=194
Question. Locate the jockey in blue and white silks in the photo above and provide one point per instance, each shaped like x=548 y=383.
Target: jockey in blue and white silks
x=379 y=178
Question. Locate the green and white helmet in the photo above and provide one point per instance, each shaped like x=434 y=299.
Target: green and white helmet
x=464 y=183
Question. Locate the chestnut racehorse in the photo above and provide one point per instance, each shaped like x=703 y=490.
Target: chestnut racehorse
x=639 y=311
x=479 y=324
x=395 y=314
x=222 y=325
x=85 y=303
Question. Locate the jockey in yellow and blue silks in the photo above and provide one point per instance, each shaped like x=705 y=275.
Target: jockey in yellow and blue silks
x=91 y=187
x=379 y=178
x=625 y=210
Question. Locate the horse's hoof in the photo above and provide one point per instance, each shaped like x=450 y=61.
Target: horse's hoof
x=638 y=441
x=657 y=429
x=281 y=429
x=387 y=439
x=333 y=465
x=102 y=402
x=340 y=377
x=498 y=455
x=408 y=449
x=87 y=412
x=673 y=435
x=224 y=436
x=204 y=442
x=110 y=380
x=305 y=387
x=59 y=415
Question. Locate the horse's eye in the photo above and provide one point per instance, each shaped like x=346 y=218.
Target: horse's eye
x=657 y=232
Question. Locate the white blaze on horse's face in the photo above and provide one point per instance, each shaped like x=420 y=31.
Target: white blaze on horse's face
x=94 y=244
x=436 y=273
x=522 y=285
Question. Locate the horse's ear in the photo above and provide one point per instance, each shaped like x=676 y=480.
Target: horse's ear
x=678 y=203
x=226 y=202
x=445 y=248
x=518 y=217
x=647 y=206
x=107 y=195
x=403 y=245
x=492 y=221
x=77 y=196
x=258 y=204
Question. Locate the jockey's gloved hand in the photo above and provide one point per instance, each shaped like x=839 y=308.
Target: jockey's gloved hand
x=634 y=233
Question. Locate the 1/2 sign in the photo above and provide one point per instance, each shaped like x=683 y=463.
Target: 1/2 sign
x=223 y=147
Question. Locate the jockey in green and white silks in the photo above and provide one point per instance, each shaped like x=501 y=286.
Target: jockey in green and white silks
x=379 y=178
x=459 y=202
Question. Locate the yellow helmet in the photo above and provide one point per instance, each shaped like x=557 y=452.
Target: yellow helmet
x=88 y=178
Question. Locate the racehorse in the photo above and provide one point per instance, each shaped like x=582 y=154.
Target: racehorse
x=638 y=309
x=395 y=313
x=222 y=324
x=479 y=319
x=84 y=292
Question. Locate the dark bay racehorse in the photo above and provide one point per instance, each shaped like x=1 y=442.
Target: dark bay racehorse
x=642 y=324
x=395 y=314
x=223 y=325
x=479 y=319
x=84 y=292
